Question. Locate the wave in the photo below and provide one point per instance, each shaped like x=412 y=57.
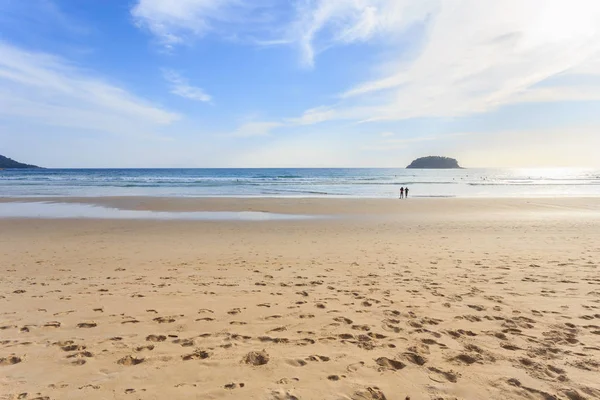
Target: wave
x=298 y=182
x=534 y=184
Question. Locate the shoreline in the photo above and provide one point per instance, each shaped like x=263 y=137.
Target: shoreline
x=412 y=207
x=362 y=183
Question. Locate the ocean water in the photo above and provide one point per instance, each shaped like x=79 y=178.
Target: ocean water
x=295 y=182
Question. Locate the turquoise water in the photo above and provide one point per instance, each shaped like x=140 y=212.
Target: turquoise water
x=294 y=182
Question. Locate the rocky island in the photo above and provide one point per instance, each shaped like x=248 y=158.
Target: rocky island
x=434 y=162
x=6 y=162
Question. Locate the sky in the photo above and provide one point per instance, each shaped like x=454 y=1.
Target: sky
x=299 y=83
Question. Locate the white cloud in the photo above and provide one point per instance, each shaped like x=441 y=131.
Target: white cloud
x=181 y=87
x=45 y=89
x=479 y=55
x=171 y=21
x=321 y=24
x=256 y=128
x=176 y=22
x=387 y=134
x=314 y=115
x=439 y=58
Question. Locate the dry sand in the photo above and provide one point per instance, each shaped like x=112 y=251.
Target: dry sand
x=422 y=299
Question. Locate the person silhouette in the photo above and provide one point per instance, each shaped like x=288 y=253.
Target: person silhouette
x=406 y=193
x=402 y=192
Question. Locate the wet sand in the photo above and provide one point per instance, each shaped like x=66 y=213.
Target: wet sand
x=420 y=299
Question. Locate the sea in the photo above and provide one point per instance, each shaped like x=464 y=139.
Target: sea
x=300 y=182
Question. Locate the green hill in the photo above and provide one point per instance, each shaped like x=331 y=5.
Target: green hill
x=6 y=162
x=434 y=162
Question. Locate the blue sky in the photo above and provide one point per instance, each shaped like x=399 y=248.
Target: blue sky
x=299 y=83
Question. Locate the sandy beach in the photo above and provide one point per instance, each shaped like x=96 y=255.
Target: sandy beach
x=376 y=299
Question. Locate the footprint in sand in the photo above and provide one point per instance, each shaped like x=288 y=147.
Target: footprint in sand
x=274 y=340
x=344 y=320
x=279 y=329
x=10 y=360
x=184 y=342
x=370 y=393
x=318 y=358
x=156 y=338
x=296 y=363
x=465 y=359
x=196 y=355
x=286 y=381
x=305 y=342
x=81 y=354
x=355 y=367
x=95 y=387
x=415 y=358
x=5 y=327
x=232 y=385
x=130 y=360
x=73 y=347
x=387 y=363
x=149 y=347
x=256 y=358
x=364 y=328
x=282 y=395
x=87 y=325
x=164 y=320
x=442 y=376
x=476 y=307
x=431 y=342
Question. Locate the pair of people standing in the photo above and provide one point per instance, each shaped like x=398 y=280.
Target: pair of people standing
x=403 y=193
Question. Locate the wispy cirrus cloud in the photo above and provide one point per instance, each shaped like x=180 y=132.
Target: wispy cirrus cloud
x=475 y=56
x=322 y=24
x=256 y=128
x=178 y=22
x=180 y=86
x=48 y=90
x=172 y=21
x=472 y=56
